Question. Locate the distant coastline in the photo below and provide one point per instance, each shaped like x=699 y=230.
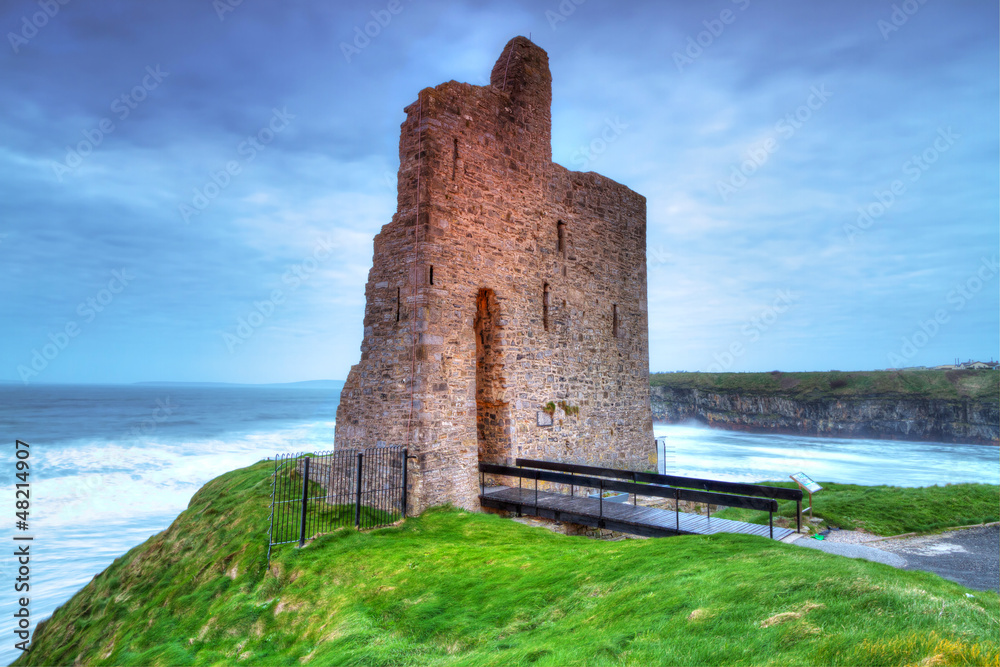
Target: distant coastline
x=306 y=384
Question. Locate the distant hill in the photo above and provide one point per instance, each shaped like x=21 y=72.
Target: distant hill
x=983 y=385
x=306 y=384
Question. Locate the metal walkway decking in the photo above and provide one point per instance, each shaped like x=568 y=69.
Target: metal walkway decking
x=622 y=517
x=638 y=520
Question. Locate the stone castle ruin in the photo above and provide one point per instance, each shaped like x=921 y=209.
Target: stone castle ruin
x=506 y=306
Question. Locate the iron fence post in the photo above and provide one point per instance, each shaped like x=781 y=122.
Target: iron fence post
x=357 y=503
x=305 y=502
x=270 y=520
x=406 y=454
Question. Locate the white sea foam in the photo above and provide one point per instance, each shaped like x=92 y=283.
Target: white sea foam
x=109 y=482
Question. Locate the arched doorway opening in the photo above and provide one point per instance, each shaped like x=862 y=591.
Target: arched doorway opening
x=493 y=424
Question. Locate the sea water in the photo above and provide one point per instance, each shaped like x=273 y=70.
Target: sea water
x=693 y=450
x=113 y=465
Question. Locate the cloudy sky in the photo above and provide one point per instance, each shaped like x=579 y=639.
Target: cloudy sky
x=822 y=178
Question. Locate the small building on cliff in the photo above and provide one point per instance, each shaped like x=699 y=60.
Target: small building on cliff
x=506 y=306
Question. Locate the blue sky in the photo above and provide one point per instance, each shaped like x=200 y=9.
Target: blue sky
x=822 y=178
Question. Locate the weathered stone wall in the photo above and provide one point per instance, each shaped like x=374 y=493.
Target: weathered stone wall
x=524 y=284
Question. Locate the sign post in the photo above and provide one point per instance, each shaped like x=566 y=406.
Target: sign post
x=808 y=485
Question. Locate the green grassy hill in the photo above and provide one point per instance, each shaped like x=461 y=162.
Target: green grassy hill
x=983 y=385
x=452 y=587
x=887 y=510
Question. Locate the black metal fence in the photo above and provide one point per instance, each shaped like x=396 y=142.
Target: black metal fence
x=319 y=492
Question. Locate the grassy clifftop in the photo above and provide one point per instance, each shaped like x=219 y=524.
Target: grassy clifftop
x=888 y=510
x=451 y=587
x=983 y=385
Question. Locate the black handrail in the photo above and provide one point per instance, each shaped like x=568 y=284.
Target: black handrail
x=659 y=491
x=719 y=486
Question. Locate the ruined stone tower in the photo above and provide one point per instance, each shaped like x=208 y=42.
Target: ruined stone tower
x=506 y=305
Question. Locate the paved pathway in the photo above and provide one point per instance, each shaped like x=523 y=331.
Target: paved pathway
x=970 y=557
x=852 y=551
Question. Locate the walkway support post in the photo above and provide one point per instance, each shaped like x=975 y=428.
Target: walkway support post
x=305 y=501
x=536 y=492
x=519 y=492
x=677 y=509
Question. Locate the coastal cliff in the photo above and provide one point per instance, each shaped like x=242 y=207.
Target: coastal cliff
x=452 y=587
x=941 y=406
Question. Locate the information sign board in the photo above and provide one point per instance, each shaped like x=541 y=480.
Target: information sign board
x=807 y=484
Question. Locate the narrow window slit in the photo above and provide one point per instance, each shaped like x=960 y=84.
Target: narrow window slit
x=614 y=320
x=545 y=306
x=561 y=231
x=397 y=303
x=454 y=159
x=430 y=275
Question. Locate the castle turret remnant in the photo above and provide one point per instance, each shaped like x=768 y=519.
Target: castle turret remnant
x=505 y=309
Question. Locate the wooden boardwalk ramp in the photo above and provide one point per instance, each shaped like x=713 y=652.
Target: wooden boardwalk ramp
x=576 y=507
